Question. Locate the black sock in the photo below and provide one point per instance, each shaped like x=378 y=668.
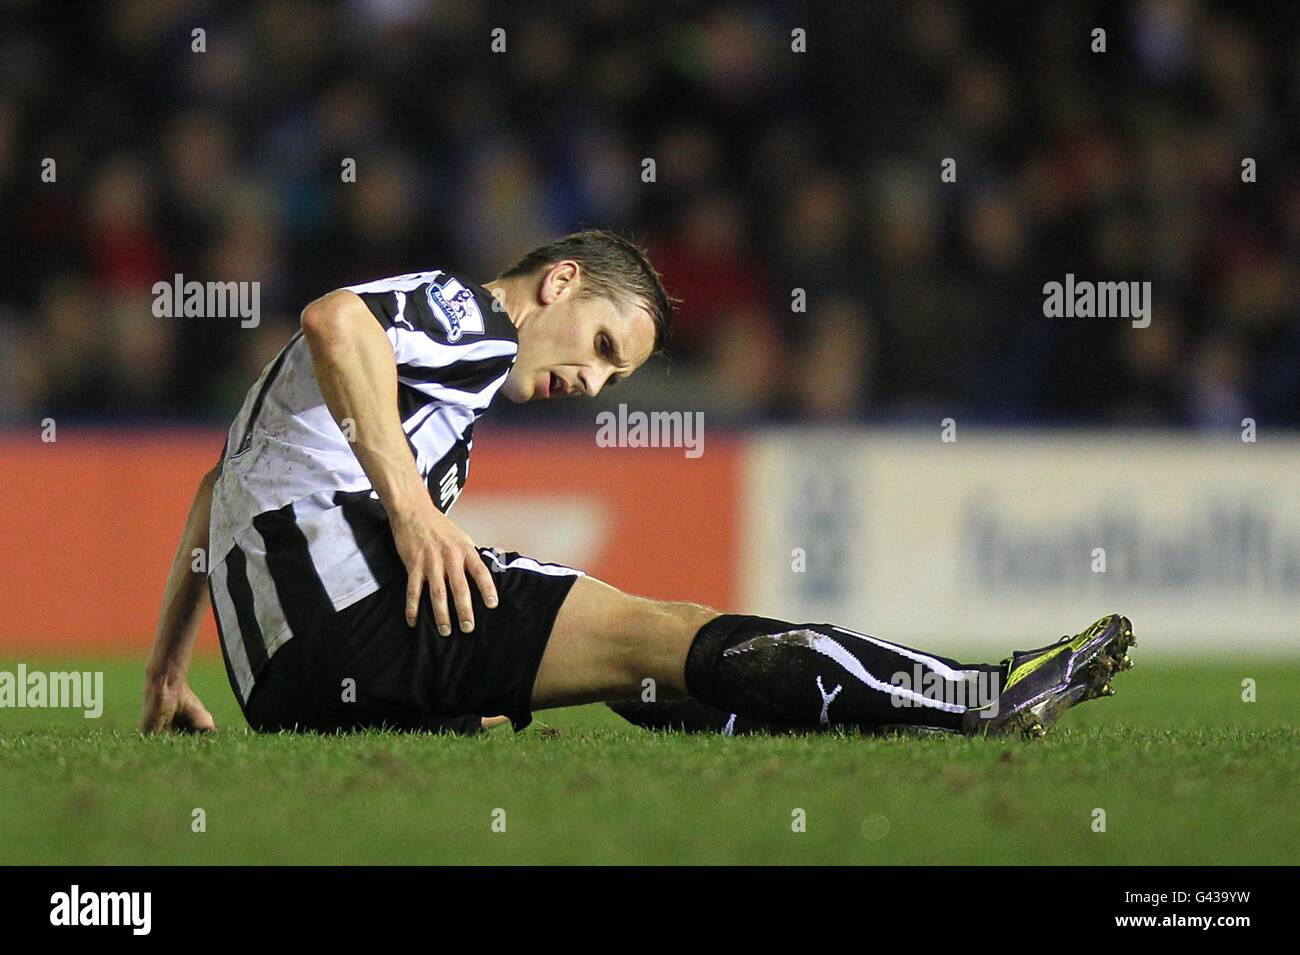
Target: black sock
x=819 y=674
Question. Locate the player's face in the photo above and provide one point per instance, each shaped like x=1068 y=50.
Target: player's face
x=578 y=345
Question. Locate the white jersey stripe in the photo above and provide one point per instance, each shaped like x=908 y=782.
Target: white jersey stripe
x=339 y=562
x=398 y=283
x=417 y=420
x=266 y=601
x=438 y=435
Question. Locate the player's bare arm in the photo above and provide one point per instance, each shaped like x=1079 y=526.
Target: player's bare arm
x=354 y=366
x=169 y=703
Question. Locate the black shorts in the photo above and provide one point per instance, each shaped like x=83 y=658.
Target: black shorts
x=364 y=667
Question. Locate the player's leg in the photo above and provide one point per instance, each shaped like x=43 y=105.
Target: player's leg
x=352 y=671
x=605 y=644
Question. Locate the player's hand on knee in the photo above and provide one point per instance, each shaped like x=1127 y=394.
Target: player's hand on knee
x=438 y=553
x=487 y=588
x=461 y=563
x=456 y=565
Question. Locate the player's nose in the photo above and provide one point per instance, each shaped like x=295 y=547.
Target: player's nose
x=591 y=382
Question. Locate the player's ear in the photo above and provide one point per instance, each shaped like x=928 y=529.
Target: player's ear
x=558 y=277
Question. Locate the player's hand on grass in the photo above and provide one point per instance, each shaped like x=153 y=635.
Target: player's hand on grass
x=170 y=704
x=438 y=553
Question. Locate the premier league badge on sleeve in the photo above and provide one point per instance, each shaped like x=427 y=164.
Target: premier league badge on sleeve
x=455 y=307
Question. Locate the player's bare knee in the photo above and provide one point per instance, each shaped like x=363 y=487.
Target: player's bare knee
x=632 y=643
x=656 y=636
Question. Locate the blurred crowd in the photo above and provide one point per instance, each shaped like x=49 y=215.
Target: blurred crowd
x=826 y=270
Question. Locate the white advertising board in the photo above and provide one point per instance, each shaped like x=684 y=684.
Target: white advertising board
x=1005 y=539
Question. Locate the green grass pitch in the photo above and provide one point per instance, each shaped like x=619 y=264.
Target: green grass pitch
x=1185 y=771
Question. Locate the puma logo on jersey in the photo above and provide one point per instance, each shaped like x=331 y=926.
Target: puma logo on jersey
x=455 y=306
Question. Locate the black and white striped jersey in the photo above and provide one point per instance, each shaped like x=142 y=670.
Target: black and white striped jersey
x=297 y=531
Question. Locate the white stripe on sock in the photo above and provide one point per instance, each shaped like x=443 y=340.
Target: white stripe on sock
x=947 y=672
x=830 y=648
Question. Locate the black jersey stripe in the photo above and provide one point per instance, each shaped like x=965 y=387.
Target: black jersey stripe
x=410 y=400
x=303 y=597
x=369 y=524
x=383 y=305
x=223 y=636
x=241 y=595
x=471 y=376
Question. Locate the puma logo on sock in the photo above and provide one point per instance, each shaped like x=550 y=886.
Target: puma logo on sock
x=827 y=699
